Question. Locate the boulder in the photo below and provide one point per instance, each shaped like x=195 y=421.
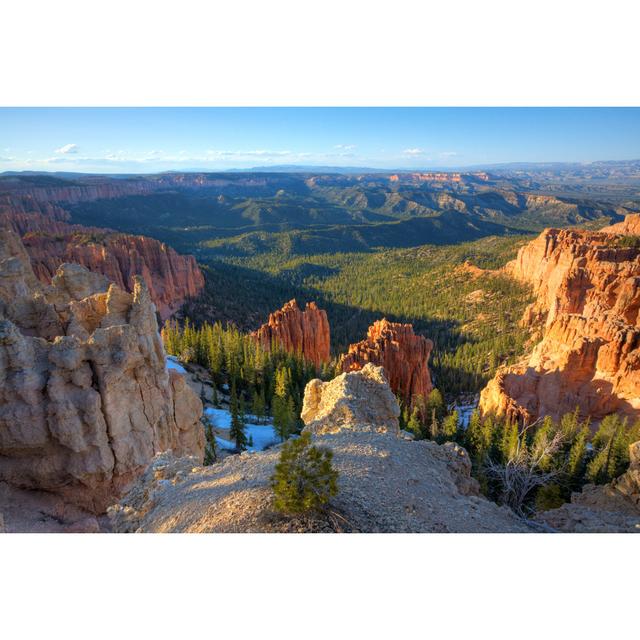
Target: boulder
x=356 y=400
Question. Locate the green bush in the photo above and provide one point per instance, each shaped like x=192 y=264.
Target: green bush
x=304 y=479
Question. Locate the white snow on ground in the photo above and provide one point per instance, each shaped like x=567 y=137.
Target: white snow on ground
x=172 y=363
x=263 y=435
x=465 y=408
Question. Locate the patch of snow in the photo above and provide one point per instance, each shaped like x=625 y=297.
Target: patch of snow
x=262 y=435
x=465 y=407
x=173 y=363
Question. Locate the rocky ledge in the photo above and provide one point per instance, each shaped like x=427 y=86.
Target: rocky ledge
x=387 y=482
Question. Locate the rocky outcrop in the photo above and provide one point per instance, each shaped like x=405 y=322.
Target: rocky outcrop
x=403 y=354
x=630 y=226
x=612 y=508
x=386 y=483
x=585 y=313
x=303 y=332
x=332 y=406
x=86 y=400
x=170 y=277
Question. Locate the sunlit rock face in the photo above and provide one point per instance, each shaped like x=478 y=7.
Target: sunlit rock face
x=86 y=400
x=297 y=331
x=587 y=288
x=403 y=355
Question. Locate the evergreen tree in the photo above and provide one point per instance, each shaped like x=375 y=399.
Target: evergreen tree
x=211 y=446
x=304 y=478
x=435 y=402
x=414 y=425
x=237 y=429
x=450 y=424
x=577 y=457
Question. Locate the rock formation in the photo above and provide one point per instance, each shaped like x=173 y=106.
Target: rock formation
x=386 y=483
x=304 y=332
x=170 y=277
x=403 y=354
x=332 y=406
x=86 y=400
x=612 y=508
x=587 y=288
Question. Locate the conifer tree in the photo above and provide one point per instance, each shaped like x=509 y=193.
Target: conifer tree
x=414 y=426
x=450 y=424
x=237 y=429
x=211 y=446
x=304 y=478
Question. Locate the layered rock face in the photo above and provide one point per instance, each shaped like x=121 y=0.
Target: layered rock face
x=402 y=353
x=386 y=483
x=86 y=400
x=170 y=277
x=304 y=332
x=587 y=287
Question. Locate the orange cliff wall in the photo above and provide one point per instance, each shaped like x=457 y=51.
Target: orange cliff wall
x=169 y=276
x=304 y=332
x=587 y=291
x=403 y=355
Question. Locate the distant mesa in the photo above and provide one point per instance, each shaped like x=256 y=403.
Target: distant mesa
x=403 y=355
x=296 y=331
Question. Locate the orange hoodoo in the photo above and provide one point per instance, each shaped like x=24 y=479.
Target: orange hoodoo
x=305 y=332
x=403 y=355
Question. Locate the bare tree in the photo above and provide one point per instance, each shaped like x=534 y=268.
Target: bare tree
x=523 y=472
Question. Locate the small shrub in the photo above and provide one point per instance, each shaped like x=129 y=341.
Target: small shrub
x=304 y=479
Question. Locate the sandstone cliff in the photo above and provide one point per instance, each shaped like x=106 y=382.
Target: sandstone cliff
x=403 y=355
x=170 y=277
x=587 y=287
x=304 y=332
x=86 y=400
x=386 y=483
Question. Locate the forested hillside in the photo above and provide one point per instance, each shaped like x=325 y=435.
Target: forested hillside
x=451 y=294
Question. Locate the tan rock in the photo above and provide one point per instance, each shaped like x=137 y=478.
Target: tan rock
x=86 y=400
x=353 y=400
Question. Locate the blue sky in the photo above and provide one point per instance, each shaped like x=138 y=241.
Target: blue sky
x=160 y=139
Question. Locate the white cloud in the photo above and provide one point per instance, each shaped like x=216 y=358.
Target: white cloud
x=414 y=152
x=345 y=147
x=67 y=148
x=448 y=154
